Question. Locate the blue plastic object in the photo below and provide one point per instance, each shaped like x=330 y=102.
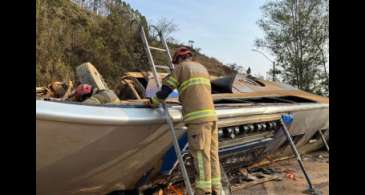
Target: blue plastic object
x=174 y=94
x=170 y=158
x=287 y=118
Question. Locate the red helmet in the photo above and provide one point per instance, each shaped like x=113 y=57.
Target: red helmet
x=83 y=89
x=181 y=51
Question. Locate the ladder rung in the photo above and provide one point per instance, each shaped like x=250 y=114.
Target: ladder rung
x=156 y=48
x=162 y=67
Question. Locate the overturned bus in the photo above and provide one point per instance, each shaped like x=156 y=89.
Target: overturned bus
x=95 y=149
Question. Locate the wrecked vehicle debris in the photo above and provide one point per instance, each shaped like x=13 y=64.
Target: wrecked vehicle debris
x=102 y=148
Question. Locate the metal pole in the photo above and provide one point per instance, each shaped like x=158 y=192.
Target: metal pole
x=324 y=140
x=273 y=71
x=164 y=43
x=149 y=56
x=168 y=117
x=171 y=65
x=299 y=159
x=177 y=150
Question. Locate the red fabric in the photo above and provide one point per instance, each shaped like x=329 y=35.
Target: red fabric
x=83 y=89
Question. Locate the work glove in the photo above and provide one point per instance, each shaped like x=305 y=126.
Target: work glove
x=152 y=102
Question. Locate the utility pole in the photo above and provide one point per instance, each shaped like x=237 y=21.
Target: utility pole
x=273 y=63
x=273 y=71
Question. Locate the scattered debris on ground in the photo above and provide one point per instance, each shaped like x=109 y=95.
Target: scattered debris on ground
x=285 y=177
x=279 y=177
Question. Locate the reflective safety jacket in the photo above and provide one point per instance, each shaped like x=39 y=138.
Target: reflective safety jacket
x=192 y=81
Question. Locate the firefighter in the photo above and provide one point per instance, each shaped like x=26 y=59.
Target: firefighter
x=193 y=83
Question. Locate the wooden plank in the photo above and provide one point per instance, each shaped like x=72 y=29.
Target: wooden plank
x=134 y=91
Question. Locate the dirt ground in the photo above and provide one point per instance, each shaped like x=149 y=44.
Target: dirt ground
x=317 y=167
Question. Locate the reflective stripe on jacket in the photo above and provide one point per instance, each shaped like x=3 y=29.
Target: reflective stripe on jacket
x=193 y=83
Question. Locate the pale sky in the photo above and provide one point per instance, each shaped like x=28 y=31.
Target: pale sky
x=225 y=30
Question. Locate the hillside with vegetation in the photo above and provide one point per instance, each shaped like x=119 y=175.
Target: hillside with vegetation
x=68 y=33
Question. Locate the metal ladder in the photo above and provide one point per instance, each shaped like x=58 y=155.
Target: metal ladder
x=167 y=116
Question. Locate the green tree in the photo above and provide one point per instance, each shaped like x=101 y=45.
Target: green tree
x=296 y=32
x=236 y=68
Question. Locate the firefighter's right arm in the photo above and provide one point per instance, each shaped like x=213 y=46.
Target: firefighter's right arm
x=169 y=83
